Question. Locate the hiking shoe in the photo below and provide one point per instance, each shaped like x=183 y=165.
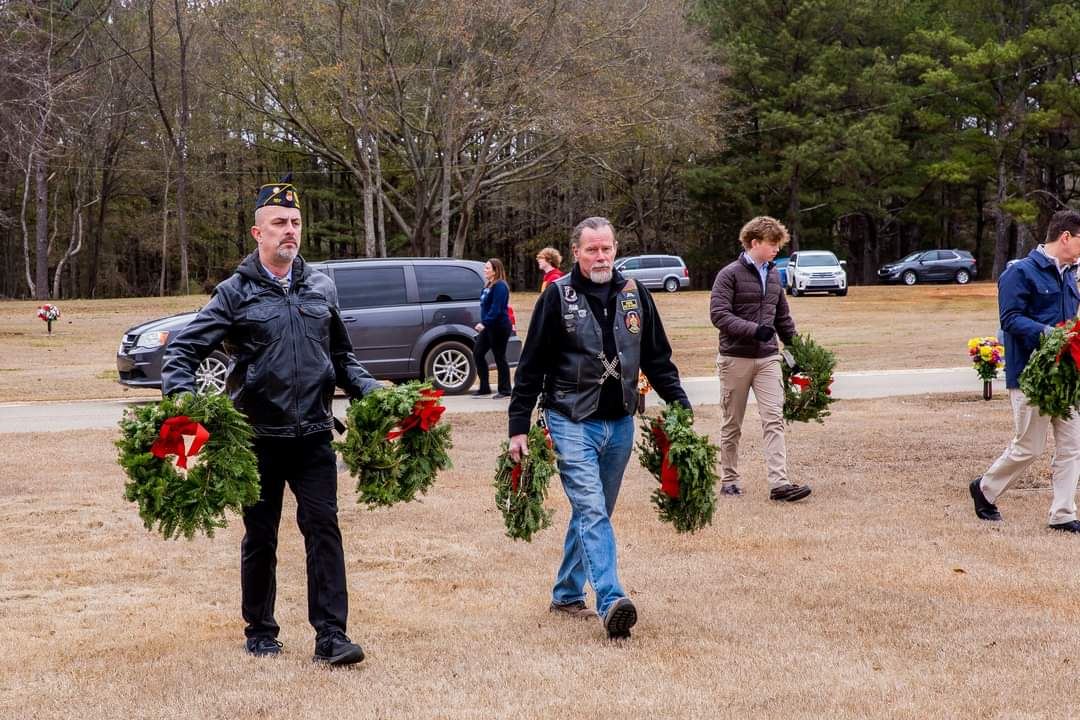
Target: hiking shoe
x=730 y=489
x=1071 y=526
x=264 y=646
x=337 y=649
x=575 y=609
x=789 y=492
x=984 y=509
x=620 y=617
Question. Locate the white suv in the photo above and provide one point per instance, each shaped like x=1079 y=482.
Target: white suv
x=816 y=271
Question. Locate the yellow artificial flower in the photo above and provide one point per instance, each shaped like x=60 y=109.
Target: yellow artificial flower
x=973 y=343
x=985 y=352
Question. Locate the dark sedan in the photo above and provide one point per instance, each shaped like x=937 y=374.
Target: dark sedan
x=931 y=266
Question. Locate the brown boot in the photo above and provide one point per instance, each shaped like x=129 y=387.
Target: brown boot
x=575 y=610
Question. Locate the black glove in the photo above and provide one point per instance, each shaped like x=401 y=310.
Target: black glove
x=764 y=333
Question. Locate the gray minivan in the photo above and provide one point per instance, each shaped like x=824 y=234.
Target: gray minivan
x=656 y=271
x=407 y=318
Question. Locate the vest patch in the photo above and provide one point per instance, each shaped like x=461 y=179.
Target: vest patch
x=633 y=322
x=569 y=293
x=629 y=304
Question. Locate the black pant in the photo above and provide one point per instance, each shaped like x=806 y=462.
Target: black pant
x=309 y=466
x=493 y=338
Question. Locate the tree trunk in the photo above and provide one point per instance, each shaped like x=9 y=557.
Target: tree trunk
x=41 y=229
x=164 y=234
x=794 y=222
x=25 y=229
x=1001 y=222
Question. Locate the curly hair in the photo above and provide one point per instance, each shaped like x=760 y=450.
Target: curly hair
x=551 y=256
x=765 y=229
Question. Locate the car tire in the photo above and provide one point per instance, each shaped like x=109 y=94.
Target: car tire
x=787 y=289
x=794 y=291
x=671 y=285
x=449 y=367
x=963 y=277
x=212 y=373
x=841 y=293
x=909 y=277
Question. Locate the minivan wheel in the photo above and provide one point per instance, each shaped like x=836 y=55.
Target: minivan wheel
x=963 y=277
x=449 y=366
x=671 y=284
x=909 y=277
x=211 y=374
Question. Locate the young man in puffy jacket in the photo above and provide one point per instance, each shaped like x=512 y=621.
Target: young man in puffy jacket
x=1034 y=295
x=749 y=309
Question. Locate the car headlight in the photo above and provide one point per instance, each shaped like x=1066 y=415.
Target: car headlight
x=150 y=340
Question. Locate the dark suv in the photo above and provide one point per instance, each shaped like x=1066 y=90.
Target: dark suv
x=407 y=318
x=929 y=266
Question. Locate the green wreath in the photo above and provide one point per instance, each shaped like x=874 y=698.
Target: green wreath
x=394 y=445
x=521 y=487
x=808 y=372
x=1051 y=380
x=224 y=477
x=685 y=465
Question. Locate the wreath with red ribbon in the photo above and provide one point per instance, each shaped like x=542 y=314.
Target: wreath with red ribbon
x=394 y=444
x=183 y=500
x=1051 y=378
x=521 y=487
x=684 y=463
x=807 y=369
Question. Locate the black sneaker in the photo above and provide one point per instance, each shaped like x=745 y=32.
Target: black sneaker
x=337 y=649
x=264 y=646
x=620 y=617
x=730 y=489
x=1071 y=526
x=984 y=509
x=789 y=492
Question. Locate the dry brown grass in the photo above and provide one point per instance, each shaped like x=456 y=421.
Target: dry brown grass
x=881 y=596
x=871 y=328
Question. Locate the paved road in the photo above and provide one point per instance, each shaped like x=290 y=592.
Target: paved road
x=96 y=414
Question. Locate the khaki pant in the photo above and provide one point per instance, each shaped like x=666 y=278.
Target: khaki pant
x=1028 y=444
x=737 y=376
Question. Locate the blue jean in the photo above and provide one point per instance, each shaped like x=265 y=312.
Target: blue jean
x=592 y=458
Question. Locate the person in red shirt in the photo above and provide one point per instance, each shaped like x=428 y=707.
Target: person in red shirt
x=548 y=260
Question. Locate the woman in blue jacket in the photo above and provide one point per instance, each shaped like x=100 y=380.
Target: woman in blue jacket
x=494 y=329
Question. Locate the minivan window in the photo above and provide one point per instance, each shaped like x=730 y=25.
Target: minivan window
x=370 y=287
x=672 y=262
x=446 y=284
x=652 y=262
x=817 y=260
x=631 y=264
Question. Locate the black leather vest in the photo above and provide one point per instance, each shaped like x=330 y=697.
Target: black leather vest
x=573 y=389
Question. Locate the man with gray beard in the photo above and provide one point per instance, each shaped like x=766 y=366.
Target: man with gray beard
x=278 y=319
x=591 y=331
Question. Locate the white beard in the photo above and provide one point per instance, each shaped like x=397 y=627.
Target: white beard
x=286 y=253
x=600 y=275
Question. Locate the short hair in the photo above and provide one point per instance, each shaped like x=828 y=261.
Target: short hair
x=592 y=223
x=499 y=270
x=765 y=229
x=1063 y=221
x=551 y=256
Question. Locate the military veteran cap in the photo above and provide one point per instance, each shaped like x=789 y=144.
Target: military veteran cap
x=279 y=194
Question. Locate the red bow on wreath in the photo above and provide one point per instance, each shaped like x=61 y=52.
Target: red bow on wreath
x=425 y=413
x=802 y=382
x=171 y=439
x=669 y=474
x=515 y=474
x=1072 y=344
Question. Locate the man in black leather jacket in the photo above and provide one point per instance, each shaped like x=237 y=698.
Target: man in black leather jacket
x=591 y=332
x=279 y=320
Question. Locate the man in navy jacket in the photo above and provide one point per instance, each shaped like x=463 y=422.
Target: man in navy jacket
x=1034 y=295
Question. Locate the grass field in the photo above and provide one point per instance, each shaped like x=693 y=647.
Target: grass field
x=880 y=596
x=873 y=327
